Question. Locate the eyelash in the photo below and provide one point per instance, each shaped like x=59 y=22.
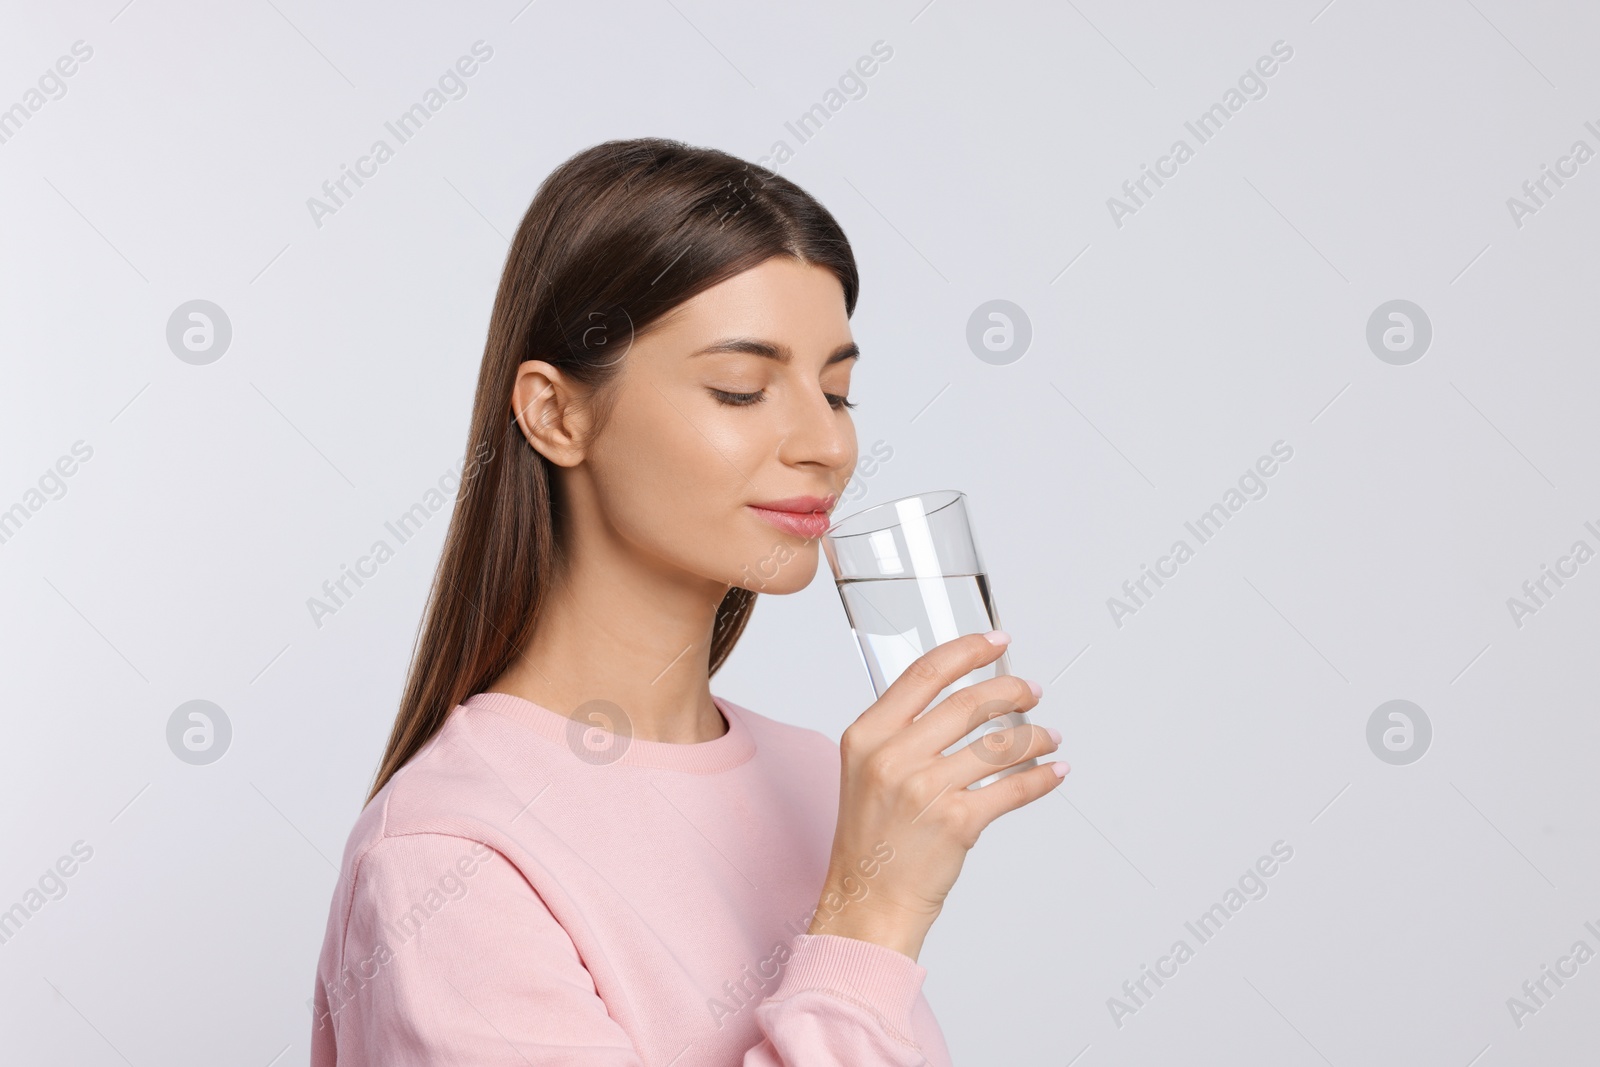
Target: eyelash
x=744 y=399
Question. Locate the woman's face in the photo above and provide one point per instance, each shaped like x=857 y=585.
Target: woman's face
x=735 y=399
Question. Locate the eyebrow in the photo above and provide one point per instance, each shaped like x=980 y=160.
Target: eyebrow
x=768 y=350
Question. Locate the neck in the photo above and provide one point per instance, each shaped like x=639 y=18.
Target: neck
x=620 y=628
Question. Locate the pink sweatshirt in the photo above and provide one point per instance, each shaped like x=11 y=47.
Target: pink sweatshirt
x=511 y=897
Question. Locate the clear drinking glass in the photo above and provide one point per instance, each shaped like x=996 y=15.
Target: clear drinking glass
x=909 y=574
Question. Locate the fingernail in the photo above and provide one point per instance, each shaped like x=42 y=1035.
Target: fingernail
x=1055 y=735
x=998 y=637
x=1038 y=691
x=1060 y=768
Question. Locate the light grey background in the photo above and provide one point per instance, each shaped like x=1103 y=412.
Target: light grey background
x=1227 y=313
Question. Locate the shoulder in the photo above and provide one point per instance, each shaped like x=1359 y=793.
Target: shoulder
x=438 y=794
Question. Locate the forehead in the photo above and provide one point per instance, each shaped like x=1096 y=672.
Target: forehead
x=781 y=300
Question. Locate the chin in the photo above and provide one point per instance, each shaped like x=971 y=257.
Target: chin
x=782 y=564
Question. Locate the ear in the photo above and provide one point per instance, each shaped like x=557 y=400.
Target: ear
x=551 y=411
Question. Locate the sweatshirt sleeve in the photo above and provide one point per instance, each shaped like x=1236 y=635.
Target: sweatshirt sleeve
x=843 y=1001
x=450 y=956
x=437 y=970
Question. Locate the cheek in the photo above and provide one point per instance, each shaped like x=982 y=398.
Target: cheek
x=655 y=471
x=654 y=451
x=674 y=480
x=734 y=543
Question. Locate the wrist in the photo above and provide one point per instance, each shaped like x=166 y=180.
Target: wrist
x=897 y=930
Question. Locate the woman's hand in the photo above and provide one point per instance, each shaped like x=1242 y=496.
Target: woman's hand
x=906 y=816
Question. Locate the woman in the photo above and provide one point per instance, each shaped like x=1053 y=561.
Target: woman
x=573 y=853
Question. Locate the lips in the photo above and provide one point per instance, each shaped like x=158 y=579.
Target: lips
x=802 y=516
x=799 y=505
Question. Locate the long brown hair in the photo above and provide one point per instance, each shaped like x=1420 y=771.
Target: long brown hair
x=615 y=237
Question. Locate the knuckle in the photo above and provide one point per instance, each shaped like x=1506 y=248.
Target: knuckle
x=920 y=790
x=922 y=669
x=964 y=702
x=996 y=696
x=960 y=823
x=1019 y=788
x=1022 y=691
x=879 y=768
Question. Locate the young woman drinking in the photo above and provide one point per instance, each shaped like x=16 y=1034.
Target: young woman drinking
x=573 y=852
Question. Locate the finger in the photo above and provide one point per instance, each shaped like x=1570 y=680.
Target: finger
x=964 y=711
x=1013 y=791
x=995 y=751
x=928 y=676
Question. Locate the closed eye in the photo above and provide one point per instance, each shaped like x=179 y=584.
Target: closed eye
x=838 y=403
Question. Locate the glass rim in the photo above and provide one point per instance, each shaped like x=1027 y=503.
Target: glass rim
x=869 y=520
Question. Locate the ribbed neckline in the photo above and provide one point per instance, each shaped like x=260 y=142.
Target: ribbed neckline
x=706 y=757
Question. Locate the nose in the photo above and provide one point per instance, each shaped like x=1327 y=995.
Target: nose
x=815 y=435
